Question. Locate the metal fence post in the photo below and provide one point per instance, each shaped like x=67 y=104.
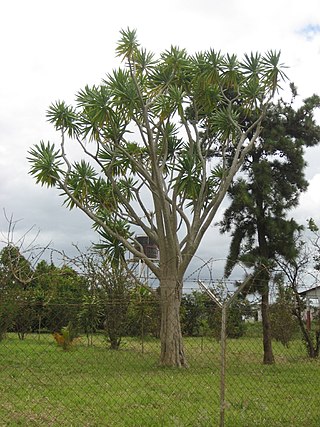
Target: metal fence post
x=223 y=345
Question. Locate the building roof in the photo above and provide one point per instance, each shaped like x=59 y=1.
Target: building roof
x=312 y=292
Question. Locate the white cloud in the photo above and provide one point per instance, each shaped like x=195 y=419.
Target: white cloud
x=52 y=49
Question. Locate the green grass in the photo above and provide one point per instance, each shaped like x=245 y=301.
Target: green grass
x=40 y=384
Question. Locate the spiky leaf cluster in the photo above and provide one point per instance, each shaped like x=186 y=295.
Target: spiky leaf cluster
x=151 y=126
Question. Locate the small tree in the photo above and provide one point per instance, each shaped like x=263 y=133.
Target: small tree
x=7 y=299
x=283 y=322
x=115 y=298
x=109 y=283
x=90 y=315
x=18 y=272
x=144 y=312
x=64 y=288
x=39 y=301
x=7 y=313
x=194 y=313
x=298 y=271
x=149 y=129
x=16 y=277
x=25 y=314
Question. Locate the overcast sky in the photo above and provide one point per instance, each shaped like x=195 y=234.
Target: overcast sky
x=51 y=49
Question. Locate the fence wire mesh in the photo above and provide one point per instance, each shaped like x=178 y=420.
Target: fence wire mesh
x=92 y=364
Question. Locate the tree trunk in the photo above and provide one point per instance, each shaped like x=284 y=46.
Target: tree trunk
x=265 y=255
x=268 y=357
x=172 y=349
x=312 y=349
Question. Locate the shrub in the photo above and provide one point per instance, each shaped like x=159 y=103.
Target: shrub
x=283 y=323
x=66 y=337
x=235 y=319
x=90 y=316
x=143 y=317
x=7 y=313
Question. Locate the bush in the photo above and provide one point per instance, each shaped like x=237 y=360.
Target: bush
x=143 y=317
x=66 y=337
x=283 y=323
x=236 y=326
x=195 y=308
x=7 y=312
x=89 y=316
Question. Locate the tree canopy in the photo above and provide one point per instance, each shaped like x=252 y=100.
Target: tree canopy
x=163 y=138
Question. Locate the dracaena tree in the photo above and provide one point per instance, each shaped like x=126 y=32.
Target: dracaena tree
x=147 y=132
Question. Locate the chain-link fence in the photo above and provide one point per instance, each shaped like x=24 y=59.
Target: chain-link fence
x=97 y=364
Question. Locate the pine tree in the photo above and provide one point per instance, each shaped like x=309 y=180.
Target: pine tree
x=273 y=178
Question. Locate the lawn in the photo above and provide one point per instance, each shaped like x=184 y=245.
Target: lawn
x=40 y=384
